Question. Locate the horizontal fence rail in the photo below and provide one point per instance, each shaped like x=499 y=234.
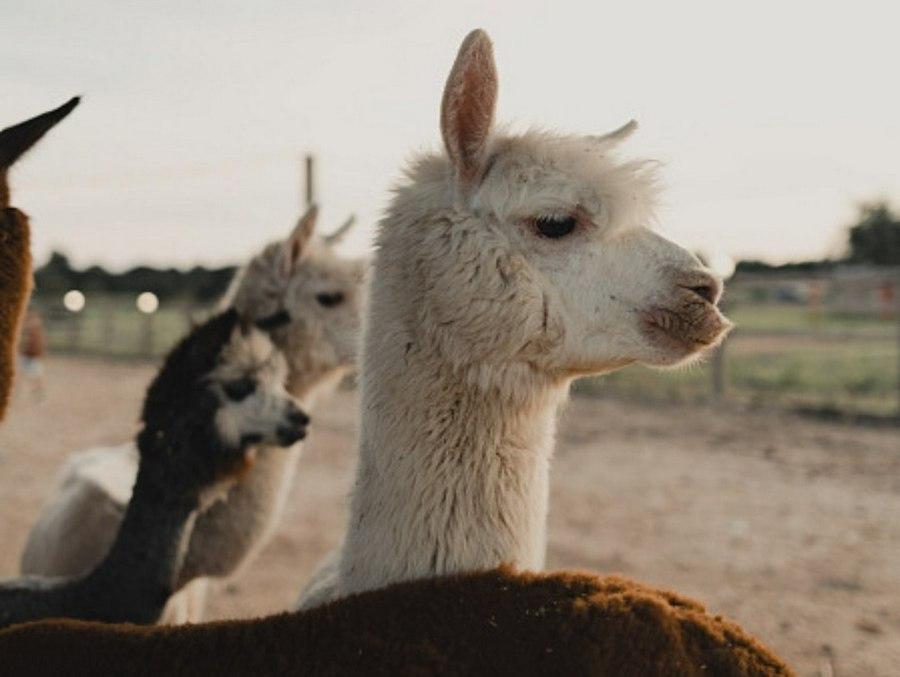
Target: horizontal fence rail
x=797 y=343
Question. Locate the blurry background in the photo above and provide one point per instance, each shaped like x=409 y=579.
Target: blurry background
x=779 y=125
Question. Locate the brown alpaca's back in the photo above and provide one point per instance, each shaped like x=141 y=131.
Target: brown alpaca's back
x=15 y=236
x=497 y=622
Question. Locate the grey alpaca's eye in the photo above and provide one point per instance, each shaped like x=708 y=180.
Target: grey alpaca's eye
x=330 y=300
x=273 y=321
x=239 y=389
x=555 y=227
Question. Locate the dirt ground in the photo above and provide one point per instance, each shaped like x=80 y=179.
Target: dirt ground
x=788 y=526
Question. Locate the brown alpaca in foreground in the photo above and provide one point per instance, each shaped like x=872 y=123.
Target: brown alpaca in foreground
x=490 y=623
x=15 y=241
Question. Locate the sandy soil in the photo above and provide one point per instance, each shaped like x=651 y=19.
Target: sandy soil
x=788 y=526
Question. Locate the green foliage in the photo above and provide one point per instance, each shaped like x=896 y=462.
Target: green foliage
x=875 y=238
x=198 y=284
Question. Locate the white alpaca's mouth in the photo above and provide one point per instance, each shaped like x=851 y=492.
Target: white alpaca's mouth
x=682 y=331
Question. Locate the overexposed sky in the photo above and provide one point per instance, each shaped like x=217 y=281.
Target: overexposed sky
x=773 y=117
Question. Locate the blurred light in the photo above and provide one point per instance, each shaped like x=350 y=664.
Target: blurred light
x=721 y=264
x=147 y=302
x=74 y=301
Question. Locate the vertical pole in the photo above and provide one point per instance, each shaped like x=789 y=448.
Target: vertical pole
x=719 y=377
x=310 y=180
x=75 y=331
x=109 y=330
x=897 y=319
x=148 y=334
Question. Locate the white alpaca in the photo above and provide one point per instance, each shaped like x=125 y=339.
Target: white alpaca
x=505 y=268
x=310 y=300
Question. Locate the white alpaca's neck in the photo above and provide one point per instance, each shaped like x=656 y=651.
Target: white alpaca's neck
x=453 y=469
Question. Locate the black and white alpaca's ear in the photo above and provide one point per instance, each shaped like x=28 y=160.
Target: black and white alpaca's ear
x=616 y=135
x=338 y=235
x=297 y=241
x=467 y=110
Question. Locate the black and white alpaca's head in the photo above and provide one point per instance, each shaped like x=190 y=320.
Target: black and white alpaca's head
x=219 y=392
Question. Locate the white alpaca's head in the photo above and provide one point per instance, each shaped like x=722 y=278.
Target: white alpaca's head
x=535 y=249
x=308 y=298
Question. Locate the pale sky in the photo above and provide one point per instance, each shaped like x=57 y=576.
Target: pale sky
x=773 y=117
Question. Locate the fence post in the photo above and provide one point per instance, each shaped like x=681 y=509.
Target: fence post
x=310 y=180
x=109 y=330
x=74 y=332
x=148 y=334
x=897 y=318
x=719 y=369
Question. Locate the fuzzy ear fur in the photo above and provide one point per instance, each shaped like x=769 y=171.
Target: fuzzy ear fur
x=467 y=110
x=617 y=135
x=338 y=235
x=296 y=242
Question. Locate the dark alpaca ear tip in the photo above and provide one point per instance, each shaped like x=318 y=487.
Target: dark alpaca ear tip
x=18 y=139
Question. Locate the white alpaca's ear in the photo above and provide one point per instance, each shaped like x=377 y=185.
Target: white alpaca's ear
x=339 y=234
x=296 y=243
x=467 y=110
x=617 y=135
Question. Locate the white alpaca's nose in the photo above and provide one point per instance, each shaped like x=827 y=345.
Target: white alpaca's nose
x=702 y=284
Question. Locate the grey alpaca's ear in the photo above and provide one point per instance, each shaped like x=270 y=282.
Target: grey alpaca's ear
x=616 y=135
x=338 y=235
x=297 y=241
x=467 y=109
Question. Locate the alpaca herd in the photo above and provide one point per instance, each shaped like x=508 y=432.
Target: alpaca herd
x=320 y=294
x=505 y=268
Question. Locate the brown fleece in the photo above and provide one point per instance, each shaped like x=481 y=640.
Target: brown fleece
x=15 y=250
x=497 y=622
x=15 y=288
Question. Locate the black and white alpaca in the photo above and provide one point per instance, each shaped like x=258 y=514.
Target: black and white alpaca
x=219 y=392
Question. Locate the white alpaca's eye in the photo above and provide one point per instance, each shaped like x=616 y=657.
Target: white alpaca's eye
x=555 y=227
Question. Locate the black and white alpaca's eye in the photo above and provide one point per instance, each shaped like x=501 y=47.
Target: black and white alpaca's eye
x=239 y=389
x=330 y=299
x=273 y=321
x=555 y=227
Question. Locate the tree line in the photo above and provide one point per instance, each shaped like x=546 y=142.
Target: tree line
x=873 y=239
x=198 y=284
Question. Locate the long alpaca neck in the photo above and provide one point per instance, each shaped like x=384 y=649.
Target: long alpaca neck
x=135 y=579
x=453 y=469
x=147 y=552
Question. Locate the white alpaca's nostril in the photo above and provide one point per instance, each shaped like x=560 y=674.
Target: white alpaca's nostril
x=704 y=286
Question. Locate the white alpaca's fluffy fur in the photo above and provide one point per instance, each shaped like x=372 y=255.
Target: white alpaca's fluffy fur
x=478 y=323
